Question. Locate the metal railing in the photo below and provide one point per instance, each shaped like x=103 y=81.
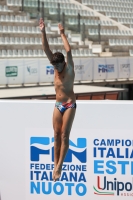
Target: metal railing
x=40 y=10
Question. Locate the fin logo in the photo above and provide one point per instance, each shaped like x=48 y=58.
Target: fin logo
x=106 y=68
x=49 y=70
x=45 y=146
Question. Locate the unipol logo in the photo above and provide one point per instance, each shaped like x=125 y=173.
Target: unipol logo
x=45 y=146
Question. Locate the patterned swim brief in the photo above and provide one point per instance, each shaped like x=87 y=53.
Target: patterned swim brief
x=62 y=107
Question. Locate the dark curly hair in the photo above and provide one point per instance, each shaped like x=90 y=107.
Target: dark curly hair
x=57 y=58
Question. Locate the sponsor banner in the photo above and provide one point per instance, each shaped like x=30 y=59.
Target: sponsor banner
x=40 y=164
x=131 y=67
x=123 y=68
x=89 y=69
x=3 y=78
x=111 y=66
x=105 y=68
x=100 y=69
x=31 y=71
x=46 y=71
x=99 y=162
x=83 y=69
x=14 y=71
x=112 y=165
x=11 y=71
x=78 y=68
x=19 y=71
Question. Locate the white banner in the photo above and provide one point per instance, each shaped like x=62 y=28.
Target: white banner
x=46 y=71
x=88 y=69
x=31 y=71
x=99 y=69
x=131 y=67
x=83 y=69
x=3 y=77
x=78 y=68
x=123 y=68
x=19 y=71
x=14 y=71
x=111 y=68
x=99 y=162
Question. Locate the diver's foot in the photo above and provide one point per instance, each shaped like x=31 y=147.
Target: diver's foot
x=54 y=173
x=57 y=173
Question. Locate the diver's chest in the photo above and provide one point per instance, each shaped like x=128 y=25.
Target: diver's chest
x=61 y=79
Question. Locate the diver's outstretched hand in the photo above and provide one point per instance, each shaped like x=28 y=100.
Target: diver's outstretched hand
x=61 y=28
x=41 y=25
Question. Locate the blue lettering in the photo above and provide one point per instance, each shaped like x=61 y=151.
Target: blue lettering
x=128 y=143
x=37 y=174
x=118 y=153
x=50 y=71
x=97 y=166
x=110 y=142
x=101 y=151
x=94 y=152
x=61 y=188
x=123 y=166
x=31 y=165
x=110 y=153
x=127 y=152
x=130 y=186
x=131 y=168
x=114 y=186
x=78 y=167
x=70 y=185
x=51 y=176
x=72 y=168
x=84 y=168
x=120 y=187
x=103 y=143
x=48 y=167
x=73 y=177
x=117 y=142
x=110 y=164
x=34 y=187
x=44 y=188
x=131 y=156
x=78 y=191
x=82 y=178
x=36 y=166
x=44 y=176
x=31 y=175
x=64 y=177
x=52 y=166
x=96 y=142
x=109 y=183
x=42 y=166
